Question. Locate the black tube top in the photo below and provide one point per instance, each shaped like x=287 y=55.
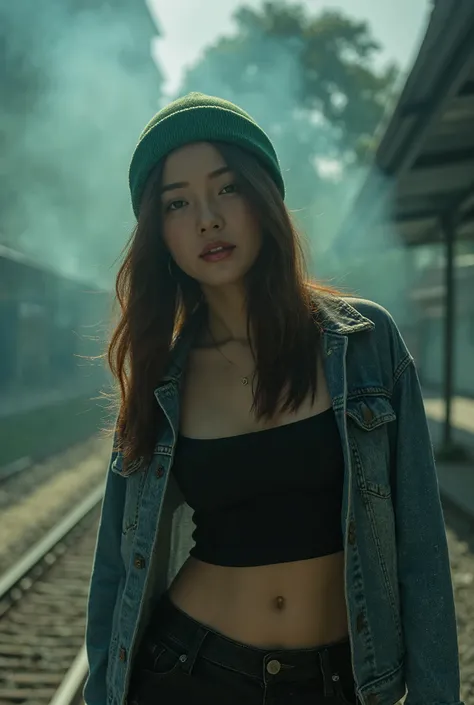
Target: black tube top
x=266 y=497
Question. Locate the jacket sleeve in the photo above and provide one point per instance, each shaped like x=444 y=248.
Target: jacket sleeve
x=107 y=572
x=426 y=591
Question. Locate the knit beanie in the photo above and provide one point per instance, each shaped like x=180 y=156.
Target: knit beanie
x=198 y=117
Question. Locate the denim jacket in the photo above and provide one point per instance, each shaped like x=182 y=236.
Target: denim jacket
x=399 y=596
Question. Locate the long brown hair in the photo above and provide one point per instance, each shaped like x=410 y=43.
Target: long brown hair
x=157 y=299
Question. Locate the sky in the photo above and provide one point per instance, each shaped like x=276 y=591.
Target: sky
x=188 y=26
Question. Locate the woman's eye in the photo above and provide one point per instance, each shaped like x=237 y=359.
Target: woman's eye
x=233 y=188
x=170 y=206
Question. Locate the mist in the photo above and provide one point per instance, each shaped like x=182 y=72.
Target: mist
x=87 y=86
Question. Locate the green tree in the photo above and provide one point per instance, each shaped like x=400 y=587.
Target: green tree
x=309 y=80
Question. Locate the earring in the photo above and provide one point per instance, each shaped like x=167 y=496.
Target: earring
x=170 y=259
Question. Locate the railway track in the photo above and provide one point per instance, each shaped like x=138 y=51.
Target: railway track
x=42 y=613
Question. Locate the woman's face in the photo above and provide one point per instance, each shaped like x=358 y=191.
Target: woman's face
x=203 y=209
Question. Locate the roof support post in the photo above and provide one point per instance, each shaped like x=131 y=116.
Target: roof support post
x=449 y=232
x=450 y=450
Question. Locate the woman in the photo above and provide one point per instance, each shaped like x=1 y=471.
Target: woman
x=290 y=421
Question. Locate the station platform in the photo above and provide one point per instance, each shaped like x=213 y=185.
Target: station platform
x=456 y=479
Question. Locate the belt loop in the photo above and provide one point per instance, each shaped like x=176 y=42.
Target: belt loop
x=326 y=670
x=197 y=642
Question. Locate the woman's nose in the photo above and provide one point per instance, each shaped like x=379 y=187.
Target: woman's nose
x=210 y=219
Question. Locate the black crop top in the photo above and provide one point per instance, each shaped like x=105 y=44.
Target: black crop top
x=266 y=497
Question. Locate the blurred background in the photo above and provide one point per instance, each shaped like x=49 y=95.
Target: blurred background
x=370 y=104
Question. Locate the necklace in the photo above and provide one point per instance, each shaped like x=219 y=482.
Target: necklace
x=243 y=380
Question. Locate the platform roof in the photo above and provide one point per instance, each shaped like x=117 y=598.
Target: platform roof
x=423 y=170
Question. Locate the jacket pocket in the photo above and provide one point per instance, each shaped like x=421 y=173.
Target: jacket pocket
x=368 y=419
x=370 y=411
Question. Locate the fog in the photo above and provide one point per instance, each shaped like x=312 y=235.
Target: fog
x=80 y=85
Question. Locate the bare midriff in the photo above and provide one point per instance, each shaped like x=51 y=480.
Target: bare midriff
x=282 y=606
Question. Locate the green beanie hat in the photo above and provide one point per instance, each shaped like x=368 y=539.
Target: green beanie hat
x=198 y=118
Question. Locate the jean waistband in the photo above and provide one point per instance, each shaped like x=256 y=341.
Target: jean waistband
x=319 y=663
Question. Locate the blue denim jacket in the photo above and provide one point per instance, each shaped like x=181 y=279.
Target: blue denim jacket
x=399 y=595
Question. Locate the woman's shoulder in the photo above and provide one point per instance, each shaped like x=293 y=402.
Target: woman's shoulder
x=353 y=314
x=352 y=308
x=370 y=309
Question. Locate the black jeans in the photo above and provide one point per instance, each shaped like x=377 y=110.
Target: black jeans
x=181 y=660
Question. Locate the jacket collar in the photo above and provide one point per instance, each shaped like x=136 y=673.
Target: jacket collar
x=333 y=313
x=336 y=315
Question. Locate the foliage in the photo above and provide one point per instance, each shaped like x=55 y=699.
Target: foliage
x=309 y=80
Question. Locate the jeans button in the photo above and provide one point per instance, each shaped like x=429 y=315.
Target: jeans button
x=273 y=667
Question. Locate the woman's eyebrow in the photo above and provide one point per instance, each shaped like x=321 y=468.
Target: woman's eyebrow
x=181 y=184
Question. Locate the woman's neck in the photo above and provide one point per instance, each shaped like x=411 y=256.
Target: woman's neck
x=227 y=316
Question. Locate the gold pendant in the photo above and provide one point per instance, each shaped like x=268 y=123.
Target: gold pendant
x=244 y=380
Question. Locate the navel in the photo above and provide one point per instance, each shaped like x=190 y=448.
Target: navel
x=279 y=602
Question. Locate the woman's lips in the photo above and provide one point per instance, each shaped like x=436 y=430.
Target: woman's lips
x=219 y=254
